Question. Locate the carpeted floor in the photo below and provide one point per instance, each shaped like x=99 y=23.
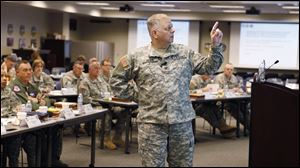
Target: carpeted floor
x=210 y=151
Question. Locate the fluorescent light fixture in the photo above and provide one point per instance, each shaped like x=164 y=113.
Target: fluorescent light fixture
x=293 y=12
x=159 y=5
x=39 y=4
x=234 y=11
x=176 y=10
x=95 y=13
x=70 y=9
x=290 y=7
x=93 y=3
x=227 y=6
x=109 y=8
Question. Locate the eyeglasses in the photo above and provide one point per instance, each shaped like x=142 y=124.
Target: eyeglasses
x=27 y=70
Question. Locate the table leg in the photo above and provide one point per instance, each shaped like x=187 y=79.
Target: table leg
x=238 y=121
x=128 y=118
x=93 y=144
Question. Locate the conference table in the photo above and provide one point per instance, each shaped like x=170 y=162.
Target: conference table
x=230 y=97
x=130 y=106
x=50 y=123
x=60 y=94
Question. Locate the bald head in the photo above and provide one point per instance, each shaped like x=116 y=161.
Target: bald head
x=94 y=64
x=94 y=69
x=154 y=21
x=228 y=70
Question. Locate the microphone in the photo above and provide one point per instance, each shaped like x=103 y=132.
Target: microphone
x=272 y=65
x=259 y=75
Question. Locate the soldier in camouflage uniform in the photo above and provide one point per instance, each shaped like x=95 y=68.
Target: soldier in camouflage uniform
x=25 y=91
x=106 y=67
x=210 y=111
x=72 y=78
x=227 y=80
x=162 y=72
x=9 y=102
x=8 y=66
x=42 y=80
x=92 y=88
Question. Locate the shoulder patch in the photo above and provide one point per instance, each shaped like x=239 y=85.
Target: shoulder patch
x=16 y=88
x=124 y=61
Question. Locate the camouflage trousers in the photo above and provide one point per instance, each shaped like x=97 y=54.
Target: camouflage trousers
x=171 y=142
x=210 y=112
x=232 y=108
x=119 y=114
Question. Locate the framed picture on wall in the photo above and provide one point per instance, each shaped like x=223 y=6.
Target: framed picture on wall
x=33 y=43
x=22 y=43
x=10 y=29
x=22 y=30
x=33 y=31
x=10 y=41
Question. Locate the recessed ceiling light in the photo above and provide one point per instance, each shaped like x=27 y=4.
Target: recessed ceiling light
x=39 y=4
x=234 y=11
x=290 y=7
x=227 y=6
x=109 y=8
x=70 y=9
x=93 y=3
x=176 y=10
x=95 y=13
x=293 y=12
x=159 y=5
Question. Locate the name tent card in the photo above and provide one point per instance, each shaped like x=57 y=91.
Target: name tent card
x=88 y=108
x=68 y=113
x=33 y=121
x=3 y=130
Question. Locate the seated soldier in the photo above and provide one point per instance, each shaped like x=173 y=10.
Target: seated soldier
x=72 y=78
x=228 y=81
x=26 y=91
x=92 y=88
x=9 y=102
x=42 y=80
x=8 y=65
x=210 y=111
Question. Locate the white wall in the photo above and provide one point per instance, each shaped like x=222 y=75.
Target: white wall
x=115 y=32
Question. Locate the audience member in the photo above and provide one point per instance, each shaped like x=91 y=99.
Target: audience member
x=42 y=80
x=210 y=111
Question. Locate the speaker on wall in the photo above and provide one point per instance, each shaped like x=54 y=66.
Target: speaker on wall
x=73 y=24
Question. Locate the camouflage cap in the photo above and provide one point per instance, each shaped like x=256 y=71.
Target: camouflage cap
x=13 y=57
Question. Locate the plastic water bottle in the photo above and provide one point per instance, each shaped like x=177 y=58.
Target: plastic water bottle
x=80 y=103
x=28 y=106
x=226 y=90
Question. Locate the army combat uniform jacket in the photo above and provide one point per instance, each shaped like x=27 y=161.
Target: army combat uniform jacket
x=163 y=81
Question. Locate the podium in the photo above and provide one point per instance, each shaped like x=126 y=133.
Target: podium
x=274 y=126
